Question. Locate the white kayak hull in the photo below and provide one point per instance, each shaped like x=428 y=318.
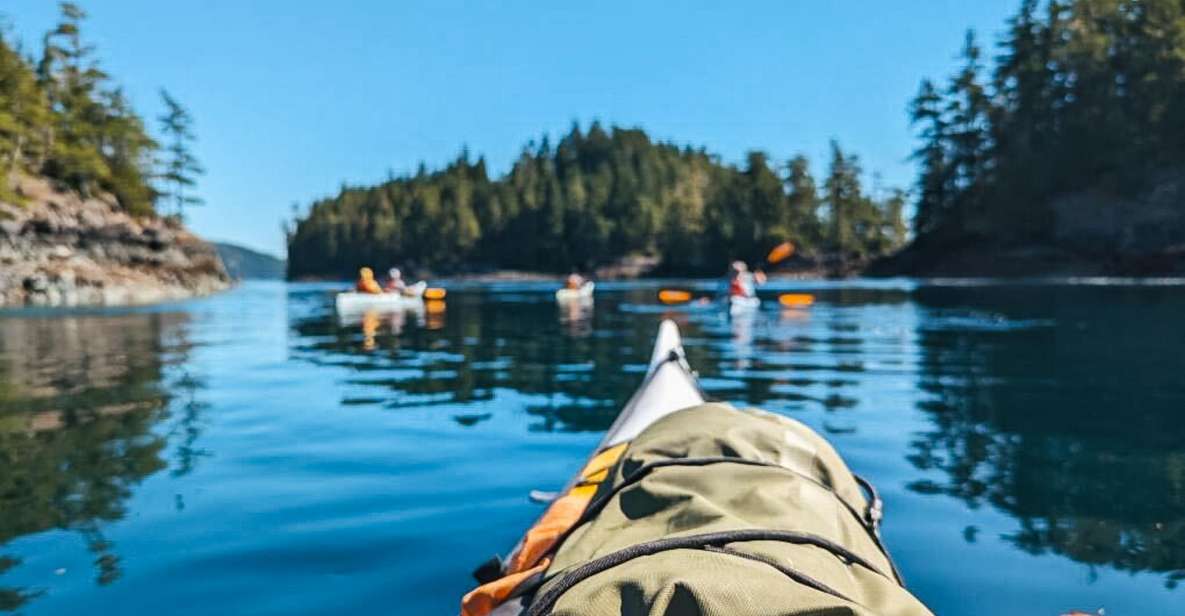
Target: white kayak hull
x=670 y=385
x=584 y=293
x=352 y=301
x=742 y=305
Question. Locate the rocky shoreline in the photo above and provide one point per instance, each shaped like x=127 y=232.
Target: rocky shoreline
x=60 y=249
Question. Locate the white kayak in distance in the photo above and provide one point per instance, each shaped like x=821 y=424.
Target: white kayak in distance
x=582 y=294
x=353 y=301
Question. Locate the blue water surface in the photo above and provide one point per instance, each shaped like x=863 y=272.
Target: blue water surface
x=257 y=453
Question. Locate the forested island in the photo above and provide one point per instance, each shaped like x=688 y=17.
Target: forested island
x=1065 y=156
x=1059 y=150
x=597 y=196
x=80 y=181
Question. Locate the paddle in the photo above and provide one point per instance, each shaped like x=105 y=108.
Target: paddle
x=674 y=296
x=434 y=293
x=779 y=253
x=796 y=300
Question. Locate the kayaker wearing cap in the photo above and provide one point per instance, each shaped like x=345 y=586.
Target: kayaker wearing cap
x=366 y=282
x=395 y=282
x=742 y=282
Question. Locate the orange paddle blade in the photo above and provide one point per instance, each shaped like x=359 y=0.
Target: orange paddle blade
x=434 y=306
x=434 y=293
x=781 y=252
x=673 y=296
x=796 y=300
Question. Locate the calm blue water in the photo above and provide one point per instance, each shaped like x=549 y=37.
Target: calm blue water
x=253 y=453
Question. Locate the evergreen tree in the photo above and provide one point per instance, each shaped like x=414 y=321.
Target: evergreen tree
x=894 y=230
x=64 y=120
x=843 y=195
x=934 y=184
x=72 y=80
x=765 y=222
x=968 y=112
x=803 y=204
x=127 y=149
x=24 y=112
x=180 y=166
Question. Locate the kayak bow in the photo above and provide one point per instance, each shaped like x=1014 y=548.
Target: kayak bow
x=669 y=386
x=688 y=507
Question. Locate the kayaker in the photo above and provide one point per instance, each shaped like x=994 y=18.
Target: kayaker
x=395 y=283
x=574 y=281
x=366 y=282
x=742 y=282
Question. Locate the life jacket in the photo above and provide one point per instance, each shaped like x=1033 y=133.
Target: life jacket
x=367 y=285
x=741 y=285
x=709 y=511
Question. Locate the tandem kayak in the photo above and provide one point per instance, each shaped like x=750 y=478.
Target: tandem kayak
x=584 y=293
x=695 y=508
x=352 y=301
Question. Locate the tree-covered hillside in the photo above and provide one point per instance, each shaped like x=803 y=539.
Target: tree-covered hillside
x=63 y=118
x=592 y=198
x=1070 y=136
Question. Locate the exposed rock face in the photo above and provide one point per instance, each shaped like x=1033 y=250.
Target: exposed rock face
x=59 y=249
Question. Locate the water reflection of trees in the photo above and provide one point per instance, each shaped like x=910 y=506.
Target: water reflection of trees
x=1062 y=408
x=83 y=401
x=584 y=366
x=484 y=346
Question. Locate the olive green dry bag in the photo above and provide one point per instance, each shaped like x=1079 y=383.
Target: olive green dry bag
x=716 y=511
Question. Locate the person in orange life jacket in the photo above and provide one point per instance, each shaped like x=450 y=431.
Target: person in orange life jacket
x=366 y=282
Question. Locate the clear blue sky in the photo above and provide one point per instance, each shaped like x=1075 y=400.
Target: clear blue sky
x=291 y=98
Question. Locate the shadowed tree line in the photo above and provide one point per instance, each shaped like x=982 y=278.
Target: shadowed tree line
x=62 y=117
x=1079 y=94
x=591 y=199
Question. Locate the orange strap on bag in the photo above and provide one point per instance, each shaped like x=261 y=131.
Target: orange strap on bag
x=483 y=599
x=529 y=557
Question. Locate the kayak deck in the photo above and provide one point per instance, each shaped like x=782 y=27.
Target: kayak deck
x=669 y=386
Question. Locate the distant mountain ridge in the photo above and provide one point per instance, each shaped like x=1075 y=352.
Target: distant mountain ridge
x=246 y=264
